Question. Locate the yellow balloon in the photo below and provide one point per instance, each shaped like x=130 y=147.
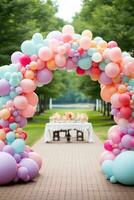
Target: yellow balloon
x=4 y=114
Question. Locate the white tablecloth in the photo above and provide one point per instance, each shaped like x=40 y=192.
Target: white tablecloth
x=87 y=128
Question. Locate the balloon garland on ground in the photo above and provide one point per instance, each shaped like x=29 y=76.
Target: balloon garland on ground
x=34 y=66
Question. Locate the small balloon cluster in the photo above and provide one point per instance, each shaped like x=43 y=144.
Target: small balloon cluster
x=34 y=65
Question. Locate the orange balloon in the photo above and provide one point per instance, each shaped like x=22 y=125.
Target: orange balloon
x=93 y=44
x=107 y=91
x=29 y=74
x=51 y=65
x=95 y=77
x=2 y=134
x=33 y=65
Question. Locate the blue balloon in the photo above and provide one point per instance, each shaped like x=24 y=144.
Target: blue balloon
x=18 y=145
x=28 y=47
x=106 y=168
x=123 y=168
x=85 y=63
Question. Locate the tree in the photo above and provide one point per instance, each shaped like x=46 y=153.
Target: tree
x=19 y=19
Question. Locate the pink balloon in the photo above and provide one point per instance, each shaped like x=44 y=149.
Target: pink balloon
x=20 y=102
x=115 y=100
x=124 y=99
x=108 y=145
x=123 y=122
x=28 y=112
x=27 y=85
x=53 y=44
x=34 y=156
x=112 y=44
x=45 y=53
x=112 y=70
x=44 y=76
x=115 y=54
x=126 y=112
x=32 y=98
x=60 y=60
x=107 y=156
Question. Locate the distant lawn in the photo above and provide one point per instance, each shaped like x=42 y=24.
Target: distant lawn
x=35 y=127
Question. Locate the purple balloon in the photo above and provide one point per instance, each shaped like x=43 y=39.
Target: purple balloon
x=23 y=173
x=8 y=149
x=116 y=151
x=16 y=56
x=44 y=76
x=4 y=87
x=17 y=157
x=8 y=168
x=23 y=122
x=4 y=123
x=126 y=141
x=32 y=167
x=2 y=144
x=104 y=79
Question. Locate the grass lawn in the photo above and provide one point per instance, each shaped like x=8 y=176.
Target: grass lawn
x=35 y=127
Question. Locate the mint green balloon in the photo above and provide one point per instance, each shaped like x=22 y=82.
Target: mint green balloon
x=85 y=63
x=28 y=47
x=37 y=38
x=106 y=168
x=10 y=136
x=123 y=168
x=91 y=51
x=131 y=82
x=18 y=145
x=13 y=126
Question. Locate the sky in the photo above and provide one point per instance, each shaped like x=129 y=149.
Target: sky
x=68 y=8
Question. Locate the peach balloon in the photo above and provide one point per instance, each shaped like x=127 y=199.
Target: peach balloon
x=20 y=102
x=2 y=134
x=107 y=92
x=29 y=74
x=45 y=53
x=60 y=60
x=27 y=85
x=32 y=98
x=40 y=64
x=28 y=112
x=4 y=114
x=33 y=65
x=53 y=44
x=85 y=43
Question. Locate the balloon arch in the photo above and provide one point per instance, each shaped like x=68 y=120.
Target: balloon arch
x=33 y=66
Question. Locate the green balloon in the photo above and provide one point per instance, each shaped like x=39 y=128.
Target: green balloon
x=85 y=63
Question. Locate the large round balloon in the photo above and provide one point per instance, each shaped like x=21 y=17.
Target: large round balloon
x=8 y=168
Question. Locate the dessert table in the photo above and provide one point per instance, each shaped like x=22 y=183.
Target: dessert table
x=85 y=127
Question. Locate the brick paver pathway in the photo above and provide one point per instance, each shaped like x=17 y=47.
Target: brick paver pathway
x=70 y=172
